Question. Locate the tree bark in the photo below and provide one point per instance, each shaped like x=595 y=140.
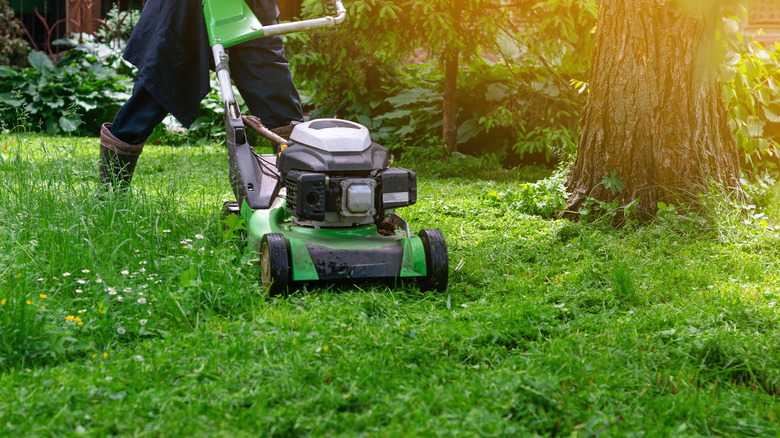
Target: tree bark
x=450 y=103
x=655 y=113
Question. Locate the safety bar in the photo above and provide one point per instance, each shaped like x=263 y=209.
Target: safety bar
x=314 y=23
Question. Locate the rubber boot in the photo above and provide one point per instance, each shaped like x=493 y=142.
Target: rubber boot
x=117 y=159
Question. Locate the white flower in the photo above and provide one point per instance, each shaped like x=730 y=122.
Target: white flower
x=128 y=290
x=78 y=291
x=111 y=291
x=82 y=310
x=143 y=322
x=142 y=300
x=66 y=274
x=166 y=231
x=80 y=281
x=119 y=298
x=86 y=271
x=99 y=280
x=199 y=236
x=142 y=270
x=40 y=279
x=142 y=262
x=121 y=330
x=125 y=272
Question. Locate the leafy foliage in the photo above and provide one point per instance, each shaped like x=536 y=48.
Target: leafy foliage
x=75 y=96
x=515 y=92
x=13 y=47
x=751 y=91
x=545 y=198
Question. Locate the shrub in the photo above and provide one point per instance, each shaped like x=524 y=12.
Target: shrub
x=13 y=47
x=73 y=97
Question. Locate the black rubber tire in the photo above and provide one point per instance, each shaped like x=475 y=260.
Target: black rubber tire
x=275 y=264
x=436 y=260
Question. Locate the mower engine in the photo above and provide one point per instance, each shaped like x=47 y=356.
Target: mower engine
x=337 y=177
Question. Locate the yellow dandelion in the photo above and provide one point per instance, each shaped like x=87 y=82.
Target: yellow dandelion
x=94 y=355
x=18 y=275
x=105 y=355
x=80 y=323
x=2 y=302
x=43 y=307
x=325 y=349
x=43 y=295
x=29 y=302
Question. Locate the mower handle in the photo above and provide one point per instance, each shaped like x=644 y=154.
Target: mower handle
x=314 y=23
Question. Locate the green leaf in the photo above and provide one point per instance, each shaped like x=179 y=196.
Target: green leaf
x=733 y=58
x=613 y=182
x=41 y=61
x=7 y=72
x=772 y=114
x=468 y=130
x=497 y=92
x=397 y=114
x=190 y=278
x=70 y=124
x=11 y=100
x=755 y=127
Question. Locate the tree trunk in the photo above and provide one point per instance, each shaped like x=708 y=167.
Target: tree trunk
x=655 y=113
x=450 y=103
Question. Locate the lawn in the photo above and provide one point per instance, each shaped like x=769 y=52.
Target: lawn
x=137 y=315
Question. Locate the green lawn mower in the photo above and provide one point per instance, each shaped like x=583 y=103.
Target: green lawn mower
x=323 y=207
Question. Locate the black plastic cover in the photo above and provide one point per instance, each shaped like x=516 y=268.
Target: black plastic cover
x=306 y=195
x=397 y=188
x=309 y=159
x=334 y=264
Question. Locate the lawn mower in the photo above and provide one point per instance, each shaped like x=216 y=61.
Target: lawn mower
x=322 y=208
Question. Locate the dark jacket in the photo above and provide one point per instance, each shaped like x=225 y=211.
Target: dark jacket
x=169 y=45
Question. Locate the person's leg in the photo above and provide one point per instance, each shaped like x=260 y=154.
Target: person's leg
x=262 y=74
x=122 y=141
x=138 y=117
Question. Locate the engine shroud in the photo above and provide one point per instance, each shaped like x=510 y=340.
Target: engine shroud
x=336 y=175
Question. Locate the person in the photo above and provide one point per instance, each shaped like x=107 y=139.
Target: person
x=169 y=46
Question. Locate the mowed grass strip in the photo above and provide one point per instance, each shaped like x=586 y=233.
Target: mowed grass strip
x=145 y=318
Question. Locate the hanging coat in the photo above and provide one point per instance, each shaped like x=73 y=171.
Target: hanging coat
x=169 y=45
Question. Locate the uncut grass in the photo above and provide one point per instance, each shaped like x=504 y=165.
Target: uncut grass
x=548 y=327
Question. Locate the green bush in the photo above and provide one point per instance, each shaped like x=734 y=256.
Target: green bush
x=74 y=97
x=13 y=47
x=515 y=101
x=751 y=91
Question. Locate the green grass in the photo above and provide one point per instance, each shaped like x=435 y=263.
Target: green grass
x=549 y=328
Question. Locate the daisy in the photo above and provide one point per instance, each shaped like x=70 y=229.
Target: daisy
x=142 y=300
x=121 y=330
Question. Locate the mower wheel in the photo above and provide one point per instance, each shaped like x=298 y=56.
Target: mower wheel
x=436 y=260
x=275 y=261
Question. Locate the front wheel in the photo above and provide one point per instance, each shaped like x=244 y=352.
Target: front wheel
x=275 y=262
x=436 y=260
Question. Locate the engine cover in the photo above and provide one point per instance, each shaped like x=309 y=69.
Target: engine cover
x=337 y=176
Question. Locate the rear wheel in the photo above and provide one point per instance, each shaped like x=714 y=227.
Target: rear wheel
x=436 y=260
x=275 y=262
